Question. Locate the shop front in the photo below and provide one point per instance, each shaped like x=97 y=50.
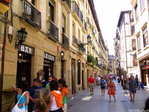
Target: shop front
x=144 y=66
x=24 y=63
x=48 y=65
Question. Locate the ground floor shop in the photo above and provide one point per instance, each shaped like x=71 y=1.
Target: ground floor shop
x=144 y=70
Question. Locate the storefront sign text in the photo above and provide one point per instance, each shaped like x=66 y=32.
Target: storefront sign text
x=26 y=49
x=49 y=57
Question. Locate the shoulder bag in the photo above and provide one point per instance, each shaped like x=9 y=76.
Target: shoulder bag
x=16 y=108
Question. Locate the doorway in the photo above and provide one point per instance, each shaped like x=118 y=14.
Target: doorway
x=83 y=79
x=144 y=77
x=48 y=69
x=73 y=82
x=23 y=69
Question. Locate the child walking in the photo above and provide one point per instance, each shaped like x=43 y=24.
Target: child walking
x=64 y=90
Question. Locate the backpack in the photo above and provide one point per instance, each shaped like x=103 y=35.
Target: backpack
x=102 y=82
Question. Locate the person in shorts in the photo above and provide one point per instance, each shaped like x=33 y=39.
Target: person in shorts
x=102 y=85
x=91 y=84
x=132 y=88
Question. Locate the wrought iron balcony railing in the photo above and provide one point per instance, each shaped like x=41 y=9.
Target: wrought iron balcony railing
x=31 y=14
x=65 y=40
x=75 y=8
x=53 y=31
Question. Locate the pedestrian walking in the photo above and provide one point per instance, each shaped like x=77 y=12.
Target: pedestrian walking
x=111 y=90
x=22 y=96
x=55 y=104
x=132 y=88
x=103 y=85
x=137 y=81
x=64 y=90
x=34 y=90
x=91 y=84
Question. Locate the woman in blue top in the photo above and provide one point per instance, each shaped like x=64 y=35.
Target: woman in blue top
x=25 y=99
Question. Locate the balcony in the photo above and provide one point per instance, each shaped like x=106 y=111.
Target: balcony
x=67 y=4
x=65 y=41
x=77 y=14
x=31 y=14
x=53 y=32
x=74 y=41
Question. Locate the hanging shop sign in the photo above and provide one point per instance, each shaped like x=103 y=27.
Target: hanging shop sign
x=49 y=57
x=26 y=49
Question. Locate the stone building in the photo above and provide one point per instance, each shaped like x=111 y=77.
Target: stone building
x=125 y=45
x=140 y=17
x=60 y=37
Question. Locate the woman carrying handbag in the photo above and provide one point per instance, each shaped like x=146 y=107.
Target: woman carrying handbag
x=22 y=98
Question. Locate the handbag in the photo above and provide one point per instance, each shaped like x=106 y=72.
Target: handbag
x=16 y=108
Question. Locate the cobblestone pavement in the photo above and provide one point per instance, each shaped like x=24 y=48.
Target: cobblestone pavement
x=84 y=102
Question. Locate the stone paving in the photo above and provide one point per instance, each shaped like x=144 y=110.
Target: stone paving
x=84 y=102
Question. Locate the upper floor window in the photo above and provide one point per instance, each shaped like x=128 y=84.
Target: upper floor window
x=138 y=42
x=136 y=11
x=133 y=44
x=142 y=5
x=51 y=11
x=145 y=36
x=134 y=60
x=63 y=23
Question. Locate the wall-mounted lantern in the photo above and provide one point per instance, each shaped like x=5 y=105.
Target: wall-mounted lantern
x=79 y=61
x=62 y=54
x=21 y=36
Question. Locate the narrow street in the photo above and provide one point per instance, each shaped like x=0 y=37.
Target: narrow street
x=83 y=102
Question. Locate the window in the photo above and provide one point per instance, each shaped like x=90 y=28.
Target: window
x=136 y=11
x=138 y=43
x=133 y=44
x=63 y=24
x=142 y=5
x=73 y=28
x=145 y=36
x=79 y=35
x=134 y=60
x=33 y=2
x=51 y=11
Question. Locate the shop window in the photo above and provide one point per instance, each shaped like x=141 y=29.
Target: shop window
x=145 y=36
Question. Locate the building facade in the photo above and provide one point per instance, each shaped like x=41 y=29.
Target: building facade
x=125 y=45
x=140 y=15
x=62 y=38
x=112 y=65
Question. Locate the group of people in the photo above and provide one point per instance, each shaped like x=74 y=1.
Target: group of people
x=43 y=96
x=103 y=83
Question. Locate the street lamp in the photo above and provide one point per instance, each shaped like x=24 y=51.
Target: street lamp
x=21 y=36
x=62 y=54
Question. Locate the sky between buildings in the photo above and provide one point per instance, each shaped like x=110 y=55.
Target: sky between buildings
x=108 y=12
